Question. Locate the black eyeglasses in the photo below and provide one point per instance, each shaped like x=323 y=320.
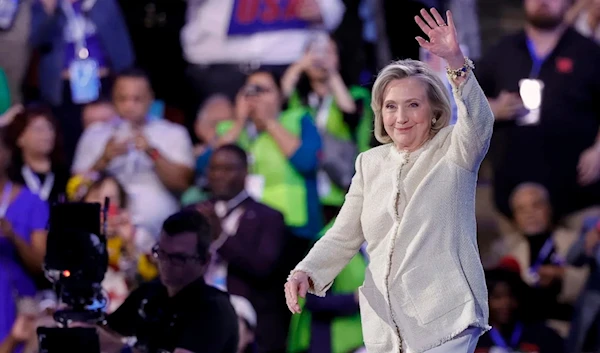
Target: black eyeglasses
x=175 y=259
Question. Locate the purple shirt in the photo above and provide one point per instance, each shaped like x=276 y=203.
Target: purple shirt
x=27 y=213
x=92 y=41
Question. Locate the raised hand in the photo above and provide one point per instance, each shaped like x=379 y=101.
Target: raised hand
x=443 y=40
x=9 y=115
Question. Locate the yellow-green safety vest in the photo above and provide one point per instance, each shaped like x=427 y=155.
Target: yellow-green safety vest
x=338 y=128
x=284 y=188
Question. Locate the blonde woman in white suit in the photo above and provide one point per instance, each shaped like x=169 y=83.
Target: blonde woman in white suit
x=413 y=201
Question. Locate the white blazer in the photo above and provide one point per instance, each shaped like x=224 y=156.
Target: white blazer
x=425 y=283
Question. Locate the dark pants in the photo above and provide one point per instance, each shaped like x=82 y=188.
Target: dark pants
x=68 y=115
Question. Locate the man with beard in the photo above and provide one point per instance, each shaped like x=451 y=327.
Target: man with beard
x=543 y=85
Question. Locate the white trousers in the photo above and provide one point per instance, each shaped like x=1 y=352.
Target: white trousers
x=465 y=342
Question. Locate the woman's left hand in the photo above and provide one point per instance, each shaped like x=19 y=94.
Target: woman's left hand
x=443 y=40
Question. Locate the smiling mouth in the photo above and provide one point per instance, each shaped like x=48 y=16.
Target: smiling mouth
x=403 y=129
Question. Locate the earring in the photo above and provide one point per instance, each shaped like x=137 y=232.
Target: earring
x=433 y=121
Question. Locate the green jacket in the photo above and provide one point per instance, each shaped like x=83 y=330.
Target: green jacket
x=283 y=187
x=337 y=127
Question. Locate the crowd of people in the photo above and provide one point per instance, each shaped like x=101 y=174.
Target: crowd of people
x=252 y=114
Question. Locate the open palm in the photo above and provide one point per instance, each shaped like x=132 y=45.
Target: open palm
x=442 y=37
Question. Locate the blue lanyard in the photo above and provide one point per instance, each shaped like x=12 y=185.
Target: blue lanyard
x=543 y=255
x=514 y=339
x=537 y=60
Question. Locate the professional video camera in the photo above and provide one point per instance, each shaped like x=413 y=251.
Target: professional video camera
x=75 y=263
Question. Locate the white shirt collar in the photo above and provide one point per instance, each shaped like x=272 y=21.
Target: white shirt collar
x=223 y=207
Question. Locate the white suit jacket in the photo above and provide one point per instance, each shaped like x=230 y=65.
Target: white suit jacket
x=425 y=283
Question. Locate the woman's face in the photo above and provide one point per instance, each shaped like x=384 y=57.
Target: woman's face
x=38 y=137
x=110 y=189
x=268 y=100
x=502 y=303
x=406 y=112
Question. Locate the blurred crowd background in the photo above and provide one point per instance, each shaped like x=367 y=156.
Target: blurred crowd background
x=165 y=104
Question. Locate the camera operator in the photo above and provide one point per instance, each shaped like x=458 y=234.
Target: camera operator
x=179 y=313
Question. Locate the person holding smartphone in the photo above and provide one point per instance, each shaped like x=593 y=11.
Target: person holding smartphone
x=283 y=147
x=340 y=112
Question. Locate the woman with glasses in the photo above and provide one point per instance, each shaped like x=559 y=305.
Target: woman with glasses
x=283 y=147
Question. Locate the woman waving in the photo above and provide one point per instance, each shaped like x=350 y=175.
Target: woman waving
x=413 y=201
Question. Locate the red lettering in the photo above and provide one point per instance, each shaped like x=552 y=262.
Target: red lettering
x=247 y=11
x=270 y=12
x=292 y=9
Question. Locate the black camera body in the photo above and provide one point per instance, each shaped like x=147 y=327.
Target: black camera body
x=76 y=256
x=75 y=263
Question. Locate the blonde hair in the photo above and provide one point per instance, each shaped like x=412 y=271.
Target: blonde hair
x=438 y=95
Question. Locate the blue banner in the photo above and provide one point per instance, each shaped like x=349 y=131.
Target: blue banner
x=255 y=16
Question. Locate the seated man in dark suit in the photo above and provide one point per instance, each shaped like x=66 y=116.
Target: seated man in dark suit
x=180 y=313
x=247 y=251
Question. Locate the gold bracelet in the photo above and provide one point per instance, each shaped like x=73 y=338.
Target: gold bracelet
x=467 y=66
